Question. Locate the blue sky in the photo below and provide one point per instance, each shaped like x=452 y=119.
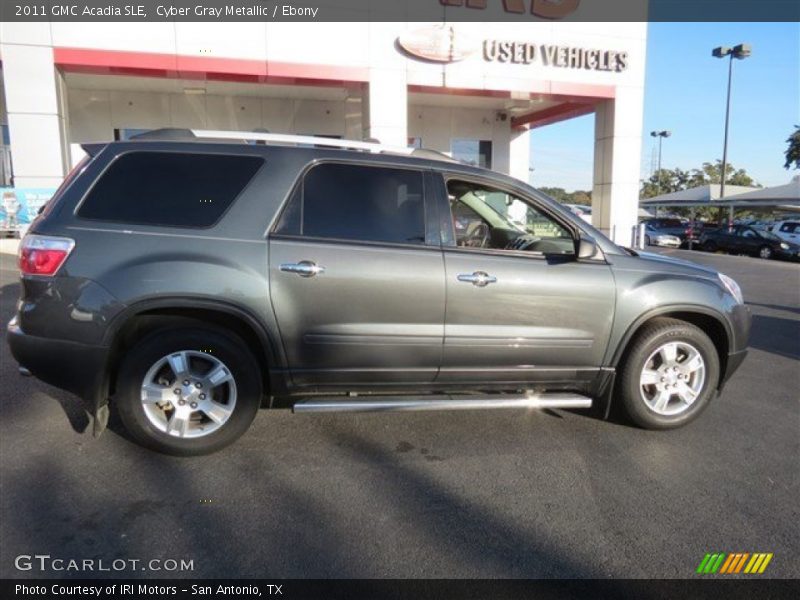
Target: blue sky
x=685 y=93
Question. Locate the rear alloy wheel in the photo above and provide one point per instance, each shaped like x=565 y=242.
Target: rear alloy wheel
x=188 y=391
x=188 y=394
x=669 y=375
x=765 y=252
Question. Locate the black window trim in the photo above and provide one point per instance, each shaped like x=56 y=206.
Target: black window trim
x=426 y=200
x=123 y=153
x=447 y=176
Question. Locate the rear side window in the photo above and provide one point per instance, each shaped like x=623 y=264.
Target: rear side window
x=353 y=202
x=790 y=227
x=169 y=189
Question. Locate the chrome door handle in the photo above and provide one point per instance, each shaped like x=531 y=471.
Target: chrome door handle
x=478 y=278
x=305 y=268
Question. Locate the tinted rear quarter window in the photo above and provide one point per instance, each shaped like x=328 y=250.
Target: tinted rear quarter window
x=169 y=189
x=354 y=202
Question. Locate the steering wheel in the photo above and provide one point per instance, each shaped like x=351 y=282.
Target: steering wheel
x=523 y=242
x=477 y=236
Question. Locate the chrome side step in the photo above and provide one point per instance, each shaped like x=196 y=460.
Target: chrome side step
x=441 y=402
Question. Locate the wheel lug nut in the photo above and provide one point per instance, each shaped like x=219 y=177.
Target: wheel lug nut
x=181 y=402
x=193 y=405
x=202 y=396
x=663 y=379
x=177 y=391
x=185 y=382
x=198 y=385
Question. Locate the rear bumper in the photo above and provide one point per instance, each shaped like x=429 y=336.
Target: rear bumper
x=76 y=368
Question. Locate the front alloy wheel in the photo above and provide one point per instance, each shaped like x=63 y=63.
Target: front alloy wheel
x=672 y=378
x=765 y=252
x=669 y=374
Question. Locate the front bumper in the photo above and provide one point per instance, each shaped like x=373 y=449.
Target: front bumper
x=70 y=366
x=735 y=360
x=791 y=254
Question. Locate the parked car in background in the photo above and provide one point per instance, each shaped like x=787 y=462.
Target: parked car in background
x=581 y=210
x=757 y=224
x=788 y=231
x=654 y=237
x=349 y=277
x=748 y=240
x=670 y=226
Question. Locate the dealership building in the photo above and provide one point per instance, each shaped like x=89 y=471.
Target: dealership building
x=473 y=90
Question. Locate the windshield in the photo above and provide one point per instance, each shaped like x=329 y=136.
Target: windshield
x=769 y=236
x=500 y=202
x=604 y=241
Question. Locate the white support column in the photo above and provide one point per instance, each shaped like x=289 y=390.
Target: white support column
x=386 y=107
x=617 y=148
x=36 y=107
x=520 y=154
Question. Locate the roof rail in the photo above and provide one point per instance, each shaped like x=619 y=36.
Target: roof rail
x=433 y=155
x=164 y=134
x=177 y=134
x=280 y=138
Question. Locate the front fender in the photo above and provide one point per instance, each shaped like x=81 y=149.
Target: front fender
x=643 y=294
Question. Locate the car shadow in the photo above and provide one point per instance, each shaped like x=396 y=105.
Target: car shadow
x=791 y=309
x=776 y=335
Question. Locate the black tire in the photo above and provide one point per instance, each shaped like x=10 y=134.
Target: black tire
x=765 y=252
x=653 y=335
x=216 y=342
x=710 y=246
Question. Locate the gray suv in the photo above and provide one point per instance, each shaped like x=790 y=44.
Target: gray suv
x=185 y=279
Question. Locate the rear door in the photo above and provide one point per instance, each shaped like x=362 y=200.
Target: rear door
x=728 y=239
x=520 y=306
x=357 y=278
x=748 y=240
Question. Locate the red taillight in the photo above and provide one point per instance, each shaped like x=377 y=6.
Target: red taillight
x=43 y=255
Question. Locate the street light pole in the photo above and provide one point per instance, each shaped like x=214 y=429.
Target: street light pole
x=727 y=126
x=739 y=52
x=660 y=135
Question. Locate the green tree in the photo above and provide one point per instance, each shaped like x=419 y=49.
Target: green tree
x=557 y=193
x=582 y=198
x=793 y=151
x=565 y=197
x=711 y=173
x=666 y=181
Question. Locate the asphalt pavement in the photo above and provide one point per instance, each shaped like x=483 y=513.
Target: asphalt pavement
x=453 y=495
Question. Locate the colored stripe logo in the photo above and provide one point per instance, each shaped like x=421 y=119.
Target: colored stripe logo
x=734 y=563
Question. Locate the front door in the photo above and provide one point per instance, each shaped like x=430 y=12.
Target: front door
x=520 y=306
x=356 y=280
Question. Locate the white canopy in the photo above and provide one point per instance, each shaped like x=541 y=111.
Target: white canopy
x=788 y=194
x=697 y=196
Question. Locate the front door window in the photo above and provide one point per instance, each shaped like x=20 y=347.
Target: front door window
x=485 y=217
